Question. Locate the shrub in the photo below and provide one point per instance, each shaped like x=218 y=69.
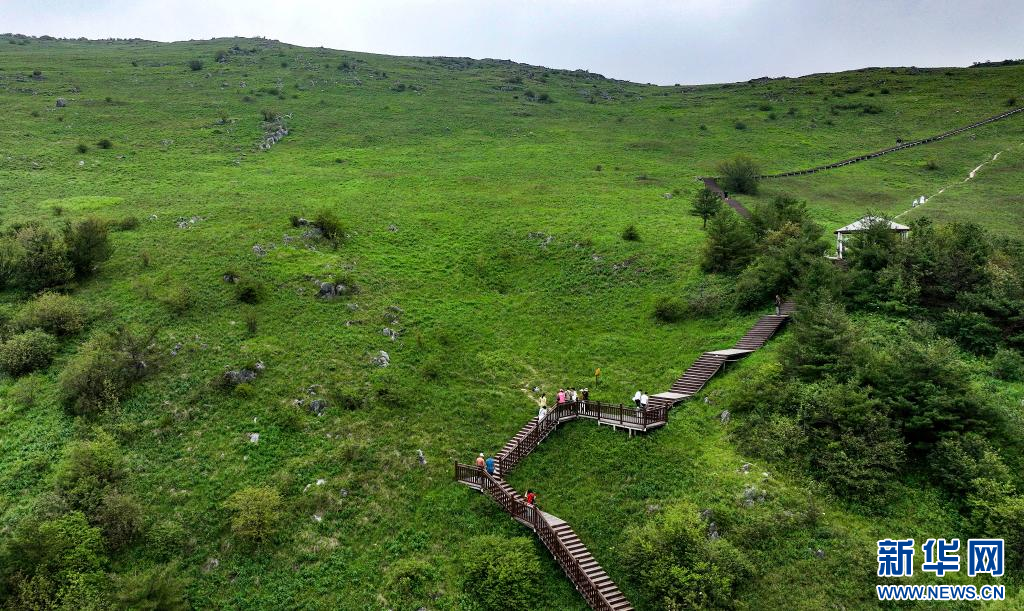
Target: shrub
x=119 y=516
x=675 y=563
x=249 y=290
x=739 y=174
x=931 y=165
x=269 y=115
x=54 y=313
x=9 y=261
x=195 y=65
x=105 y=143
x=256 y=513
x=544 y=97
x=43 y=260
x=157 y=589
x=884 y=91
x=88 y=245
x=177 y=298
x=105 y=368
x=166 y=538
x=88 y=470
x=822 y=342
x=330 y=226
x=82 y=148
x=128 y=223
x=1008 y=365
x=220 y=56
x=1011 y=101
x=630 y=234
x=740 y=125
x=502 y=573
x=411 y=577
x=27 y=351
x=669 y=309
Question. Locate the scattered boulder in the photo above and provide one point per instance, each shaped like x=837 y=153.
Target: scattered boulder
x=259 y=251
x=390 y=333
x=667 y=195
x=819 y=554
x=382 y=359
x=745 y=468
x=392 y=228
x=421 y=458
x=230 y=278
x=752 y=495
x=61 y=102
x=653 y=508
x=210 y=564
x=724 y=416
x=318 y=406
x=234 y=377
x=713 y=531
x=254 y=437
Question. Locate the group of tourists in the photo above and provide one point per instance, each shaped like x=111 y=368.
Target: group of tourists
x=640 y=399
x=487 y=464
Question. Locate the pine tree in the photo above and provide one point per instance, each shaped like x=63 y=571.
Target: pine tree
x=706 y=204
x=729 y=245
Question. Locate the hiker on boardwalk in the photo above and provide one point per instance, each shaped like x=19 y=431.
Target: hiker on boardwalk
x=778 y=305
x=489 y=464
x=643 y=399
x=573 y=396
x=531 y=497
x=636 y=398
x=586 y=394
x=561 y=396
x=480 y=460
x=542 y=413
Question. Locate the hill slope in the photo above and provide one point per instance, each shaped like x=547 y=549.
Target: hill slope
x=484 y=203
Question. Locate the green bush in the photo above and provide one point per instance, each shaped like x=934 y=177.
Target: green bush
x=631 y=234
x=502 y=573
x=1008 y=365
x=195 y=65
x=105 y=368
x=821 y=343
x=411 y=577
x=54 y=313
x=10 y=261
x=256 y=512
x=43 y=259
x=119 y=516
x=88 y=245
x=82 y=148
x=155 y=589
x=669 y=309
x=739 y=174
x=105 y=143
x=128 y=223
x=88 y=470
x=166 y=539
x=178 y=298
x=330 y=226
x=676 y=565
x=27 y=351
x=249 y=290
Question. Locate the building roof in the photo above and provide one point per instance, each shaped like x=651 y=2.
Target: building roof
x=867 y=221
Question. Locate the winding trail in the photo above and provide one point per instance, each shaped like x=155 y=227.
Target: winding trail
x=969 y=178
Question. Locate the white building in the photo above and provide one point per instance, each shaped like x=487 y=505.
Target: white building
x=843 y=233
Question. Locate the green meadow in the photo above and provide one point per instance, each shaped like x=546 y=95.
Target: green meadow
x=483 y=204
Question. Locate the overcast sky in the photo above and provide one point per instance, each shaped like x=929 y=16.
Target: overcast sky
x=666 y=42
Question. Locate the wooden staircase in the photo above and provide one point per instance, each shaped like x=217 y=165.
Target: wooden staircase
x=590 y=580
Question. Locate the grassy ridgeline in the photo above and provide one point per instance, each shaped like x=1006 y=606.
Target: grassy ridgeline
x=493 y=220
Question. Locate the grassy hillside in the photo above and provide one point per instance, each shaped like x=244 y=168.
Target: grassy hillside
x=484 y=203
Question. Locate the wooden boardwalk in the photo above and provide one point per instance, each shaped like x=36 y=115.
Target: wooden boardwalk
x=898 y=147
x=592 y=582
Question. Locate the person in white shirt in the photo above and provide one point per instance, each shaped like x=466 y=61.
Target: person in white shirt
x=575 y=397
x=541 y=413
x=643 y=400
x=636 y=398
